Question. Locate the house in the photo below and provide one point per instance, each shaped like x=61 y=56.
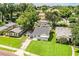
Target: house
x=16 y=32
x=42 y=15
x=6 y=28
x=41 y=32
x=3 y=29
x=64 y=33
x=42 y=23
x=10 y=25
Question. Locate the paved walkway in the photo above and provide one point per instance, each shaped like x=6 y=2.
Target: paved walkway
x=25 y=44
x=20 y=50
x=73 y=53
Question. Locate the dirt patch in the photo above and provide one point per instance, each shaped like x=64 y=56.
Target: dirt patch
x=6 y=53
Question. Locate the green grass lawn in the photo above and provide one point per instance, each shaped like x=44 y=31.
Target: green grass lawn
x=49 y=48
x=7 y=49
x=76 y=51
x=13 y=42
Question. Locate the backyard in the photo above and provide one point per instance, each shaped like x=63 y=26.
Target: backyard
x=49 y=48
x=13 y=42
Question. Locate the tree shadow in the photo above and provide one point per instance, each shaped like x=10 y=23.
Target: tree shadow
x=51 y=36
x=77 y=51
x=63 y=43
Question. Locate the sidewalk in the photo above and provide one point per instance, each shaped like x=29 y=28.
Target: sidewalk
x=21 y=52
x=73 y=53
x=25 y=44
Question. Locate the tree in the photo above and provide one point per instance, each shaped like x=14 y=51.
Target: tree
x=3 y=10
x=53 y=16
x=28 y=18
x=11 y=9
x=76 y=9
x=65 y=12
x=1 y=23
x=75 y=34
x=72 y=19
x=44 y=8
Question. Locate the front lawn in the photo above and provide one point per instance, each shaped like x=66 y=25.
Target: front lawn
x=76 y=51
x=13 y=42
x=7 y=49
x=49 y=48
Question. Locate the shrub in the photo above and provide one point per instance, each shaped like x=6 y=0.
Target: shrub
x=62 y=23
x=1 y=23
x=72 y=19
x=77 y=42
x=62 y=40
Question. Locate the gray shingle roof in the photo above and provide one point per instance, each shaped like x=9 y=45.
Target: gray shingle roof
x=3 y=28
x=6 y=26
x=41 y=30
x=17 y=30
x=44 y=24
x=63 y=31
x=10 y=24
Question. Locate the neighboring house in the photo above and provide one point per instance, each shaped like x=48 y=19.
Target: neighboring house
x=16 y=32
x=42 y=15
x=42 y=23
x=65 y=33
x=6 y=28
x=3 y=29
x=10 y=25
x=11 y=29
x=41 y=31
